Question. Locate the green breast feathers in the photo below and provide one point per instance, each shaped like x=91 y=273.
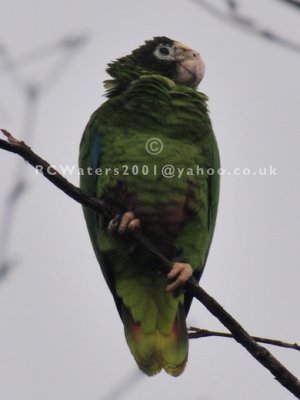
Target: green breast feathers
x=150 y=152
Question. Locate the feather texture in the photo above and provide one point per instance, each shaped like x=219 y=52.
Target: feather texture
x=178 y=214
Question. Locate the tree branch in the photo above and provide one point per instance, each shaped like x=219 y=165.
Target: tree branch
x=295 y=3
x=197 y=333
x=283 y=375
x=18 y=147
x=247 y=24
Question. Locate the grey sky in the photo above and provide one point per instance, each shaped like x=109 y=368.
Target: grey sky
x=60 y=335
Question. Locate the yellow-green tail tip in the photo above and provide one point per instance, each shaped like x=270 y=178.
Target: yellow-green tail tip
x=154 y=351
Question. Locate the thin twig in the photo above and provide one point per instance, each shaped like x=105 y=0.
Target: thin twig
x=67 y=47
x=124 y=386
x=197 y=333
x=32 y=91
x=249 y=25
x=282 y=374
x=294 y=3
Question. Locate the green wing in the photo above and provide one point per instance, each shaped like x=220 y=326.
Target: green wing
x=152 y=106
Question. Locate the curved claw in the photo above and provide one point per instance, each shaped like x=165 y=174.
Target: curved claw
x=181 y=272
x=113 y=224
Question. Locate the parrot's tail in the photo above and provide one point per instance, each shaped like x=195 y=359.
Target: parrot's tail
x=155 y=351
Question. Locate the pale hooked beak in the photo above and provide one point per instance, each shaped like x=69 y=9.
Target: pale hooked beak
x=191 y=68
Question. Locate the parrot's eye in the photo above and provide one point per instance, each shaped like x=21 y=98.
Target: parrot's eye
x=164 y=52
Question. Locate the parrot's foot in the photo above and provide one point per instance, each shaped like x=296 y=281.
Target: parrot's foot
x=129 y=221
x=181 y=272
x=126 y=221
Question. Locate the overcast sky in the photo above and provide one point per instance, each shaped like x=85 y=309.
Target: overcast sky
x=60 y=334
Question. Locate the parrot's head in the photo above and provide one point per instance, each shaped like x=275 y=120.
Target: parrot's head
x=160 y=55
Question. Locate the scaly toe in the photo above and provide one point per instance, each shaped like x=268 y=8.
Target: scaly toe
x=126 y=219
x=181 y=272
x=134 y=224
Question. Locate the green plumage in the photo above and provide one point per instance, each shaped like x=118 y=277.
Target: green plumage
x=177 y=214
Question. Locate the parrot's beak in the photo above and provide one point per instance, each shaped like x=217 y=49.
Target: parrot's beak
x=191 y=68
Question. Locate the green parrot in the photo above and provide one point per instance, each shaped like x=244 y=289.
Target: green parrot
x=153 y=122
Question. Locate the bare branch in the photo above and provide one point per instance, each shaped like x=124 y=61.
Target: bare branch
x=32 y=91
x=197 y=333
x=294 y=3
x=19 y=147
x=261 y=354
x=249 y=25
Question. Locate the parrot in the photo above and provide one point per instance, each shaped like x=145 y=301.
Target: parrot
x=153 y=121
